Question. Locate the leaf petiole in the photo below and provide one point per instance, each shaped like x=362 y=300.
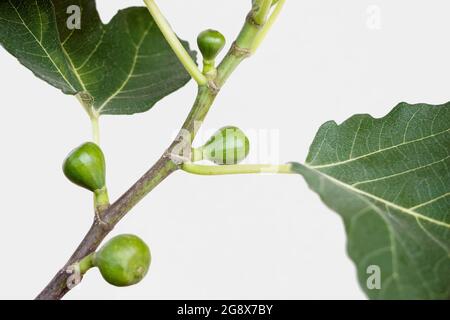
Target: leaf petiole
x=86 y=101
x=175 y=44
x=206 y=170
x=95 y=129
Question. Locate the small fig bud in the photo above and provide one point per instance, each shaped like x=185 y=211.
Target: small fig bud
x=228 y=145
x=210 y=42
x=85 y=167
x=123 y=261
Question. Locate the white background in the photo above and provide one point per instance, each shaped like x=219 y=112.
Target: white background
x=243 y=237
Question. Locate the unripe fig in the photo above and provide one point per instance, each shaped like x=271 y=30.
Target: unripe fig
x=228 y=145
x=123 y=261
x=85 y=167
x=210 y=42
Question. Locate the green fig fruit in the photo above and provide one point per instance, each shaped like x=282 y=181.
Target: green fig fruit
x=123 y=261
x=228 y=145
x=210 y=42
x=85 y=167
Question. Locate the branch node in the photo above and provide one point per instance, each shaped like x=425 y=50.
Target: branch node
x=240 y=52
x=176 y=158
x=181 y=150
x=251 y=20
x=75 y=276
x=99 y=221
x=214 y=87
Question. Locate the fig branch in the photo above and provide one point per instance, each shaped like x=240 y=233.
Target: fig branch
x=109 y=215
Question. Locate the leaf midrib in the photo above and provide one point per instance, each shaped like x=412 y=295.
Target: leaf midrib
x=75 y=71
x=407 y=211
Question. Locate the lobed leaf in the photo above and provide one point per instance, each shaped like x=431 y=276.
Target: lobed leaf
x=389 y=179
x=124 y=67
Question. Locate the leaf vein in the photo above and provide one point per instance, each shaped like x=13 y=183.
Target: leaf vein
x=42 y=47
x=379 y=151
x=400 y=173
x=133 y=67
x=381 y=200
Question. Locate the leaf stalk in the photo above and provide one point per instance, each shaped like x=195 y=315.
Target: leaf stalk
x=206 y=170
x=175 y=44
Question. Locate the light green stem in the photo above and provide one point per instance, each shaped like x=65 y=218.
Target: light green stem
x=248 y=35
x=239 y=52
x=86 y=101
x=101 y=200
x=268 y=25
x=175 y=43
x=95 y=129
x=86 y=263
x=197 y=154
x=246 y=43
x=236 y=169
x=261 y=11
x=209 y=68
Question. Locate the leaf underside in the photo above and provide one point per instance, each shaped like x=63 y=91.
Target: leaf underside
x=124 y=67
x=389 y=179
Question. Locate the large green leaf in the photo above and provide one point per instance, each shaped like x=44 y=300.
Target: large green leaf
x=125 y=66
x=389 y=179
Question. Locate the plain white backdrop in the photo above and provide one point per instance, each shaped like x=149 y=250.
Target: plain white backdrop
x=240 y=237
